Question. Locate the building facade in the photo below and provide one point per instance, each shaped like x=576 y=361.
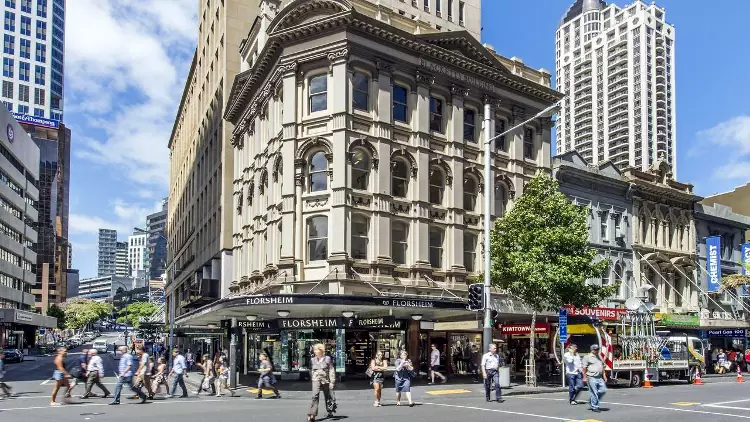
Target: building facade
x=53 y=246
x=122 y=260
x=107 y=251
x=103 y=288
x=156 y=258
x=138 y=252
x=73 y=283
x=19 y=198
x=664 y=239
x=33 y=59
x=348 y=197
x=200 y=210
x=616 y=67
x=603 y=191
x=727 y=309
x=738 y=199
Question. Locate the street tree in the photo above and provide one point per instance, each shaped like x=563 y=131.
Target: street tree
x=81 y=312
x=540 y=254
x=133 y=313
x=55 y=311
x=733 y=281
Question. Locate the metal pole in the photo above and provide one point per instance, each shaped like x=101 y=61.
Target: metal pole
x=233 y=355
x=171 y=325
x=487 y=328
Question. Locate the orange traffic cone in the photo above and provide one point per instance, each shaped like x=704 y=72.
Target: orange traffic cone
x=698 y=380
x=739 y=375
x=647 y=382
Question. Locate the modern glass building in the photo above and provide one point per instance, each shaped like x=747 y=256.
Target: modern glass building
x=33 y=58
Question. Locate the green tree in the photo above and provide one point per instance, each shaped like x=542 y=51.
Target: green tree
x=55 y=311
x=81 y=312
x=734 y=281
x=540 y=254
x=133 y=313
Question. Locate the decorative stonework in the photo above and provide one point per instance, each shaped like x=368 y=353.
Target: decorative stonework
x=316 y=203
x=360 y=200
x=399 y=208
x=504 y=179
x=364 y=143
x=277 y=167
x=410 y=158
x=315 y=143
x=299 y=180
x=338 y=54
x=424 y=79
x=384 y=67
x=459 y=90
x=299 y=163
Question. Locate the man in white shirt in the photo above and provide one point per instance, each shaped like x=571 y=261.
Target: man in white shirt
x=178 y=370
x=95 y=374
x=143 y=373
x=491 y=362
x=573 y=372
x=435 y=365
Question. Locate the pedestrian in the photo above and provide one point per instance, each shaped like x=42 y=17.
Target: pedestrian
x=403 y=375
x=435 y=365
x=491 y=363
x=95 y=374
x=7 y=391
x=323 y=376
x=595 y=374
x=160 y=378
x=378 y=366
x=573 y=373
x=79 y=371
x=190 y=360
x=178 y=370
x=266 y=378
x=143 y=373
x=222 y=378
x=207 y=366
x=60 y=375
x=126 y=370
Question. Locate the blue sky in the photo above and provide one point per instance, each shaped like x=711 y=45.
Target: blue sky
x=126 y=62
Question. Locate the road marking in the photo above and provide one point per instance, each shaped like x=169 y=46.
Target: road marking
x=507 y=412
x=444 y=392
x=255 y=391
x=78 y=405
x=727 y=402
x=726 y=407
x=684 y=403
x=46 y=381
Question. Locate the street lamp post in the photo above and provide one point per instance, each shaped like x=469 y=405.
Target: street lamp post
x=488 y=138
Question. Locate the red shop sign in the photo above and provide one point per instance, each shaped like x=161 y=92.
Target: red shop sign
x=540 y=328
x=606 y=314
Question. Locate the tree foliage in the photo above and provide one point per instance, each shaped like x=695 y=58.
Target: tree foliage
x=540 y=251
x=55 y=311
x=133 y=313
x=734 y=281
x=81 y=312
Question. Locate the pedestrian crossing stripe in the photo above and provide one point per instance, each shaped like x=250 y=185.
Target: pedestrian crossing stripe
x=584 y=420
x=444 y=392
x=685 y=403
x=255 y=391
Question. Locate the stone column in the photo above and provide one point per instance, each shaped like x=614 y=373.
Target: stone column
x=381 y=219
x=420 y=183
x=291 y=224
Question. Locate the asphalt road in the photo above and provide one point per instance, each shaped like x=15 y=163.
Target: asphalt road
x=718 y=400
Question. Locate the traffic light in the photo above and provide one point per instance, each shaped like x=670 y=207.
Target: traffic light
x=476 y=297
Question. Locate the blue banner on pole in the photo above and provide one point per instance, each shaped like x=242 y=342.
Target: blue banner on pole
x=745 y=259
x=563 y=321
x=713 y=263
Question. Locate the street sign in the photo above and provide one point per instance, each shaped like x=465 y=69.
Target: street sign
x=563 y=325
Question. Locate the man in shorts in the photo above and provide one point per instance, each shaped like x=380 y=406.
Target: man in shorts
x=60 y=376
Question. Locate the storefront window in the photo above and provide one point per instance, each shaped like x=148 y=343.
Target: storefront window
x=361 y=347
x=300 y=343
x=269 y=344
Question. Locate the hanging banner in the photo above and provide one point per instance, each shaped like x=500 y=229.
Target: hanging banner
x=713 y=263
x=745 y=259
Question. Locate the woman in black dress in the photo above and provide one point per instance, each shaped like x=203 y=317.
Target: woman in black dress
x=378 y=366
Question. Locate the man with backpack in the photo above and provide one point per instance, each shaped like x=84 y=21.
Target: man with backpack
x=491 y=363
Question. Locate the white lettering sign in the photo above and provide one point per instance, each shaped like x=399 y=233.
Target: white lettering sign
x=269 y=301
x=713 y=264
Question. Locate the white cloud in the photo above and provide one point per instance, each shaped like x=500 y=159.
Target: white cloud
x=125 y=82
x=128 y=215
x=733 y=137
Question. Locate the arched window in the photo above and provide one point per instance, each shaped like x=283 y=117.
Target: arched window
x=400 y=178
x=317 y=238
x=318 y=172
x=618 y=273
x=360 y=169
x=360 y=236
x=437 y=186
x=501 y=200
x=644 y=228
x=470 y=252
x=399 y=242
x=470 y=193
x=360 y=91
x=436 y=237
x=607 y=275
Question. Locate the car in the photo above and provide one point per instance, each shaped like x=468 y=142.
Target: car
x=13 y=355
x=100 y=346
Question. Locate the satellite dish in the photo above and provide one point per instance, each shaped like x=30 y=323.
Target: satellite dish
x=646 y=287
x=649 y=306
x=633 y=303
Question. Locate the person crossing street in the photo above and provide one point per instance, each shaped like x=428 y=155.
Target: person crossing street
x=126 y=370
x=594 y=372
x=573 y=373
x=178 y=370
x=491 y=363
x=95 y=374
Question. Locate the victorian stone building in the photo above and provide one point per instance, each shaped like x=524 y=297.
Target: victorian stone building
x=358 y=150
x=664 y=242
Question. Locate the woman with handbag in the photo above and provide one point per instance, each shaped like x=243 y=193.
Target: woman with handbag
x=403 y=375
x=323 y=375
x=376 y=372
x=207 y=366
x=160 y=378
x=266 y=379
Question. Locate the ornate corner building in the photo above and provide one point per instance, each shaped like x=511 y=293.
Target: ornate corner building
x=358 y=151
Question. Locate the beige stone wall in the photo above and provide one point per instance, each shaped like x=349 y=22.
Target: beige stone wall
x=737 y=199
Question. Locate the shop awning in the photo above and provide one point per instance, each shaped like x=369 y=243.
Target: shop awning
x=17 y=316
x=268 y=307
